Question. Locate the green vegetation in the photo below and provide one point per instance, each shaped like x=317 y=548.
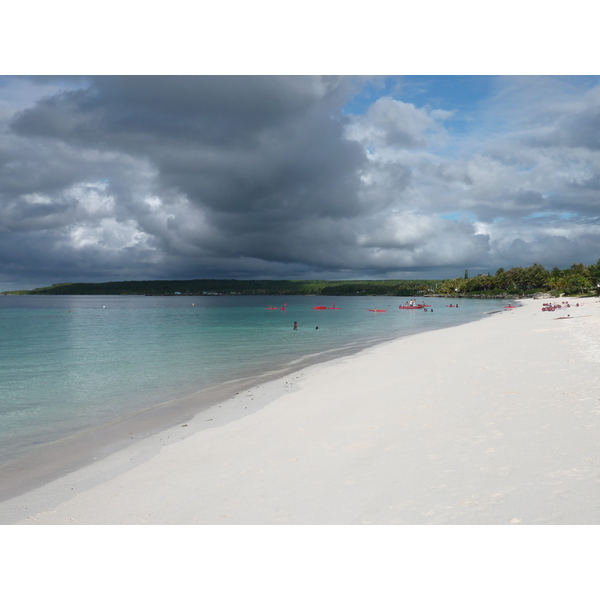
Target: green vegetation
x=518 y=281
x=197 y=287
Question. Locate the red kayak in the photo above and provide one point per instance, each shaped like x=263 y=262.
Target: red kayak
x=319 y=308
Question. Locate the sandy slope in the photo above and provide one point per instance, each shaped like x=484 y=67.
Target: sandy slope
x=493 y=422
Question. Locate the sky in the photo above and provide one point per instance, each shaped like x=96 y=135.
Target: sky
x=106 y=178
x=212 y=146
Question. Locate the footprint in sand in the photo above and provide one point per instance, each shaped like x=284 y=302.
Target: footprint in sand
x=470 y=503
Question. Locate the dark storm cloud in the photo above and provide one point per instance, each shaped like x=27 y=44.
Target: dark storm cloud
x=227 y=143
x=139 y=114
x=236 y=162
x=27 y=167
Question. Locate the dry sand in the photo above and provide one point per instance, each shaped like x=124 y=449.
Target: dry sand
x=492 y=422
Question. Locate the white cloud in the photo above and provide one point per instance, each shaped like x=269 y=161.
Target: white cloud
x=393 y=124
x=106 y=235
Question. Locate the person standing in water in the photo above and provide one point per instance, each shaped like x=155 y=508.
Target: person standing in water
x=295 y=325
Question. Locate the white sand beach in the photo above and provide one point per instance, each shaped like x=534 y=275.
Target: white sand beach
x=492 y=422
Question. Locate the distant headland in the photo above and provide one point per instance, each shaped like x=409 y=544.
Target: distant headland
x=577 y=280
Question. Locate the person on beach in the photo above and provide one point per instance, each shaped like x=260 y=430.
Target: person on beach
x=295 y=325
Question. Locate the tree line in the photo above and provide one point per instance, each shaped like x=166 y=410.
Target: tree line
x=197 y=287
x=577 y=279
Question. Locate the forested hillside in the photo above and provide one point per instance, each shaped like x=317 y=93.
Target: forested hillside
x=518 y=281
x=196 y=287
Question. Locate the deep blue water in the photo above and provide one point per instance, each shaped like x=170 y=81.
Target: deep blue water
x=72 y=362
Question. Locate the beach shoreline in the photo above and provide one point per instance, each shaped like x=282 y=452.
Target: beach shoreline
x=132 y=373
x=43 y=462
x=486 y=422
x=56 y=458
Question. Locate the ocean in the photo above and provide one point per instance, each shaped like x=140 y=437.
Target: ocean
x=71 y=363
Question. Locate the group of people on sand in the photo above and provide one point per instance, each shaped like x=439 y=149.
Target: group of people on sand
x=564 y=304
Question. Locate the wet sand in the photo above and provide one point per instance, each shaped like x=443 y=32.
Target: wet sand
x=491 y=422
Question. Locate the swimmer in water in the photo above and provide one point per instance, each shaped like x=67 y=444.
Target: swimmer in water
x=295 y=325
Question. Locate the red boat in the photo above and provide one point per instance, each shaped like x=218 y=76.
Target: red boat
x=319 y=308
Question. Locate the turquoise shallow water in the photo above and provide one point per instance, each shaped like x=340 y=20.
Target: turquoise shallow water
x=68 y=363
